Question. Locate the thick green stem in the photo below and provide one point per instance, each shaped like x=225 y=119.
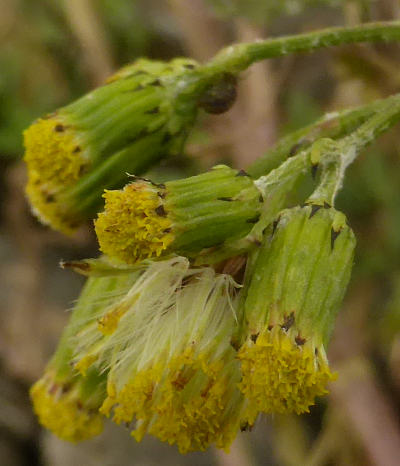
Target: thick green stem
x=382 y=120
x=238 y=57
x=333 y=125
x=336 y=156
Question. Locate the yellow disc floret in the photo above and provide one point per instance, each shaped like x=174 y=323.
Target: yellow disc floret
x=282 y=373
x=54 y=159
x=134 y=225
x=60 y=410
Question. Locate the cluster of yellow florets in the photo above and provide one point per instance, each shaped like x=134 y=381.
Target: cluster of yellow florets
x=172 y=370
x=134 y=225
x=166 y=347
x=281 y=375
x=183 y=404
x=55 y=162
x=60 y=410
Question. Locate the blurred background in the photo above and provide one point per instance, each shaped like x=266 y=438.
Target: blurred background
x=53 y=52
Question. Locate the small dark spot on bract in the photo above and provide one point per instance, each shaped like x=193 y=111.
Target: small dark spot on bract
x=274 y=226
x=77 y=149
x=189 y=66
x=314 y=170
x=160 y=211
x=49 y=198
x=166 y=138
x=156 y=83
x=254 y=337
x=59 y=128
x=300 y=340
x=334 y=235
x=235 y=345
x=245 y=427
x=242 y=173
x=327 y=205
x=152 y=111
x=254 y=219
x=288 y=322
x=297 y=146
x=228 y=199
x=314 y=209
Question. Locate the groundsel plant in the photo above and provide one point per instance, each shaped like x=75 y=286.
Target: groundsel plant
x=163 y=338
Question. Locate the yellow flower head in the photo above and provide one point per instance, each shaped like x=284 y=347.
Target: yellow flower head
x=67 y=402
x=183 y=216
x=171 y=366
x=134 y=224
x=60 y=409
x=282 y=372
x=296 y=287
x=55 y=161
x=125 y=126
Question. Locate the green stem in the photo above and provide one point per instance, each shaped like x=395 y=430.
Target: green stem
x=387 y=116
x=332 y=125
x=239 y=57
x=336 y=156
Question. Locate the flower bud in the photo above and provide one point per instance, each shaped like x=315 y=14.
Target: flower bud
x=124 y=126
x=65 y=402
x=147 y=220
x=295 y=289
